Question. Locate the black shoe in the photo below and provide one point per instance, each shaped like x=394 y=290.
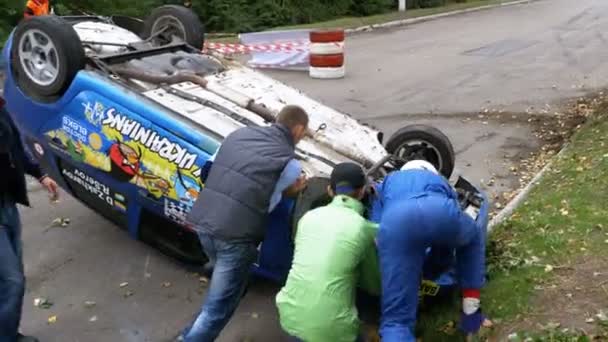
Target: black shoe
x=23 y=338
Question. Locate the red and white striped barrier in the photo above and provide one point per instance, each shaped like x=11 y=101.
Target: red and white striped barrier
x=274 y=65
x=321 y=52
x=235 y=48
x=327 y=54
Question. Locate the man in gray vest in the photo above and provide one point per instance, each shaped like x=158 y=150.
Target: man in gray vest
x=251 y=171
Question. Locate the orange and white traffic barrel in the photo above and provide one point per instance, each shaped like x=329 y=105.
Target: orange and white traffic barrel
x=327 y=54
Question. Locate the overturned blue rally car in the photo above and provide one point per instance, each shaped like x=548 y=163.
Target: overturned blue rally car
x=123 y=114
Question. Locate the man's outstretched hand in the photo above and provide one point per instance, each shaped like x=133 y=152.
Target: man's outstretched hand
x=51 y=186
x=296 y=187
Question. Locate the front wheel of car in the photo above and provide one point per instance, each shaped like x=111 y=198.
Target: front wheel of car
x=426 y=143
x=171 y=24
x=46 y=55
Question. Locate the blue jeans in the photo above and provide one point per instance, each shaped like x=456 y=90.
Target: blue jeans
x=12 y=279
x=233 y=262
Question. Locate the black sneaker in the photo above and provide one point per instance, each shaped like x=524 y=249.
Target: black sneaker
x=23 y=338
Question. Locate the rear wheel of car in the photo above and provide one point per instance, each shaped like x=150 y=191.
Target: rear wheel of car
x=423 y=142
x=46 y=55
x=171 y=24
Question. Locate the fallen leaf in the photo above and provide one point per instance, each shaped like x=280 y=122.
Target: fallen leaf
x=52 y=319
x=552 y=326
x=60 y=222
x=449 y=328
x=125 y=284
x=89 y=304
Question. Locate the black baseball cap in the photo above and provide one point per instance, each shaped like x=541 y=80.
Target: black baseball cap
x=346 y=178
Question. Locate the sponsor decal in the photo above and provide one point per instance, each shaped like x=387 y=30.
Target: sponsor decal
x=95 y=141
x=129 y=149
x=96 y=188
x=149 y=138
x=176 y=211
x=90 y=184
x=94 y=112
x=74 y=128
x=120 y=206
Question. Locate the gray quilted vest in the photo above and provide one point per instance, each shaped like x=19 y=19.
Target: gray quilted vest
x=234 y=203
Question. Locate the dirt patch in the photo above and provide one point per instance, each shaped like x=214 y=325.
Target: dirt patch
x=552 y=129
x=575 y=299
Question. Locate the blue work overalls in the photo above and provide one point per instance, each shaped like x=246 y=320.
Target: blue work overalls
x=419 y=209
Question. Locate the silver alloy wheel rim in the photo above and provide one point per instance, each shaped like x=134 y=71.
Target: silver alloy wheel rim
x=169 y=25
x=400 y=151
x=38 y=57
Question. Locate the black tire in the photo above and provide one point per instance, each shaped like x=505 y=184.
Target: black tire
x=68 y=55
x=315 y=195
x=435 y=147
x=191 y=30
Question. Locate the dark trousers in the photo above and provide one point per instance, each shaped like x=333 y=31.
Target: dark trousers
x=12 y=279
x=233 y=262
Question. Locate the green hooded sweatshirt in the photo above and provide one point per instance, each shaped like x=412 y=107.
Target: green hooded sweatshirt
x=317 y=303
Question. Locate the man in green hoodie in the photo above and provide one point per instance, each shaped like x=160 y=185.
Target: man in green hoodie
x=317 y=304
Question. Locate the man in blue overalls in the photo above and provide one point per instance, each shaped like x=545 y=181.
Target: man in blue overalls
x=420 y=210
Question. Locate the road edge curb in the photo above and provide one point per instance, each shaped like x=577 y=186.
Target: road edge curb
x=411 y=21
x=523 y=193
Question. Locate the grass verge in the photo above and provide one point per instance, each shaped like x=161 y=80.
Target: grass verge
x=563 y=220
x=354 y=22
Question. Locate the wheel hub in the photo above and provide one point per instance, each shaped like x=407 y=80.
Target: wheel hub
x=419 y=149
x=169 y=28
x=38 y=57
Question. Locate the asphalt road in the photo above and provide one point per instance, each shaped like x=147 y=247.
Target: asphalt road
x=504 y=59
x=510 y=58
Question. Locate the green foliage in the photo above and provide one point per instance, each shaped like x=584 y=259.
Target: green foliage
x=218 y=15
x=430 y=3
x=222 y=15
x=371 y=7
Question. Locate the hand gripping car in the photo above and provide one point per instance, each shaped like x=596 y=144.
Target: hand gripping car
x=124 y=113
